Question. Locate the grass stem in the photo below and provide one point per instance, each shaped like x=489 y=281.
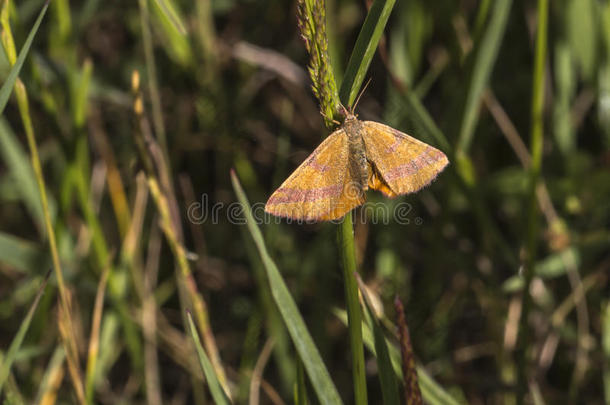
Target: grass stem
x=354 y=314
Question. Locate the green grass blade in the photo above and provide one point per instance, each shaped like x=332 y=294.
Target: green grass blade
x=606 y=348
x=300 y=389
x=483 y=65
x=533 y=228
x=21 y=254
x=175 y=42
x=424 y=123
x=169 y=11
x=387 y=379
x=8 y=85
x=5 y=367
x=218 y=394
x=22 y=173
x=432 y=392
x=365 y=47
x=316 y=370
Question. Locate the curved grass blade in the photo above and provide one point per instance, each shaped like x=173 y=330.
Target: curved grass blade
x=316 y=370
x=483 y=65
x=218 y=394
x=8 y=85
x=431 y=391
x=364 y=49
x=387 y=379
x=5 y=367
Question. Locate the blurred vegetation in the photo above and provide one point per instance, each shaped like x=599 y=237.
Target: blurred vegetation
x=139 y=218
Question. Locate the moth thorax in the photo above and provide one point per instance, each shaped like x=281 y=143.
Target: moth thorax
x=358 y=165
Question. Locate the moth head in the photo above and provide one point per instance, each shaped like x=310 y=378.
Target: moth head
x=348 y=113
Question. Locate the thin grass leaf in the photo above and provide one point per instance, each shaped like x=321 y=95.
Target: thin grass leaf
x=387 y=379
x=533 y=227
x=483 y=65
x=8 y=85
x=81 y=94
x=606 y=348
x=94 y=337
x=219 y=395
x=5 y=367
x=364 y=49
x=316 y=370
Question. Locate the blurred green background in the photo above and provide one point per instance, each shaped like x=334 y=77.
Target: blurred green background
x=224 y=85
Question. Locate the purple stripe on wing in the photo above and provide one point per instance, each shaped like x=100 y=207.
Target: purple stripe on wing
x=293 y=195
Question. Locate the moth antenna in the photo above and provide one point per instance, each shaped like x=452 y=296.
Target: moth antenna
x=361 y=93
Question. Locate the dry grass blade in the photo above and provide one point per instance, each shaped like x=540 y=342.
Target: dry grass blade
x=412 y=391
x=257 y=373
x=156 y=168
x=94 y=337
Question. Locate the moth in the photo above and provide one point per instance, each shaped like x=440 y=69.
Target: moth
x=359 y=155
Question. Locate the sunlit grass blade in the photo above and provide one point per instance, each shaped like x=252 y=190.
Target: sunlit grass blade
x=52 y=377
x=387 y=379
x=484 y=61
x=169 y=11
x=176 y=43
x=5 y=367
x=316 y=370
x=220 y=397
x=364 y=49
x=8 y=85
